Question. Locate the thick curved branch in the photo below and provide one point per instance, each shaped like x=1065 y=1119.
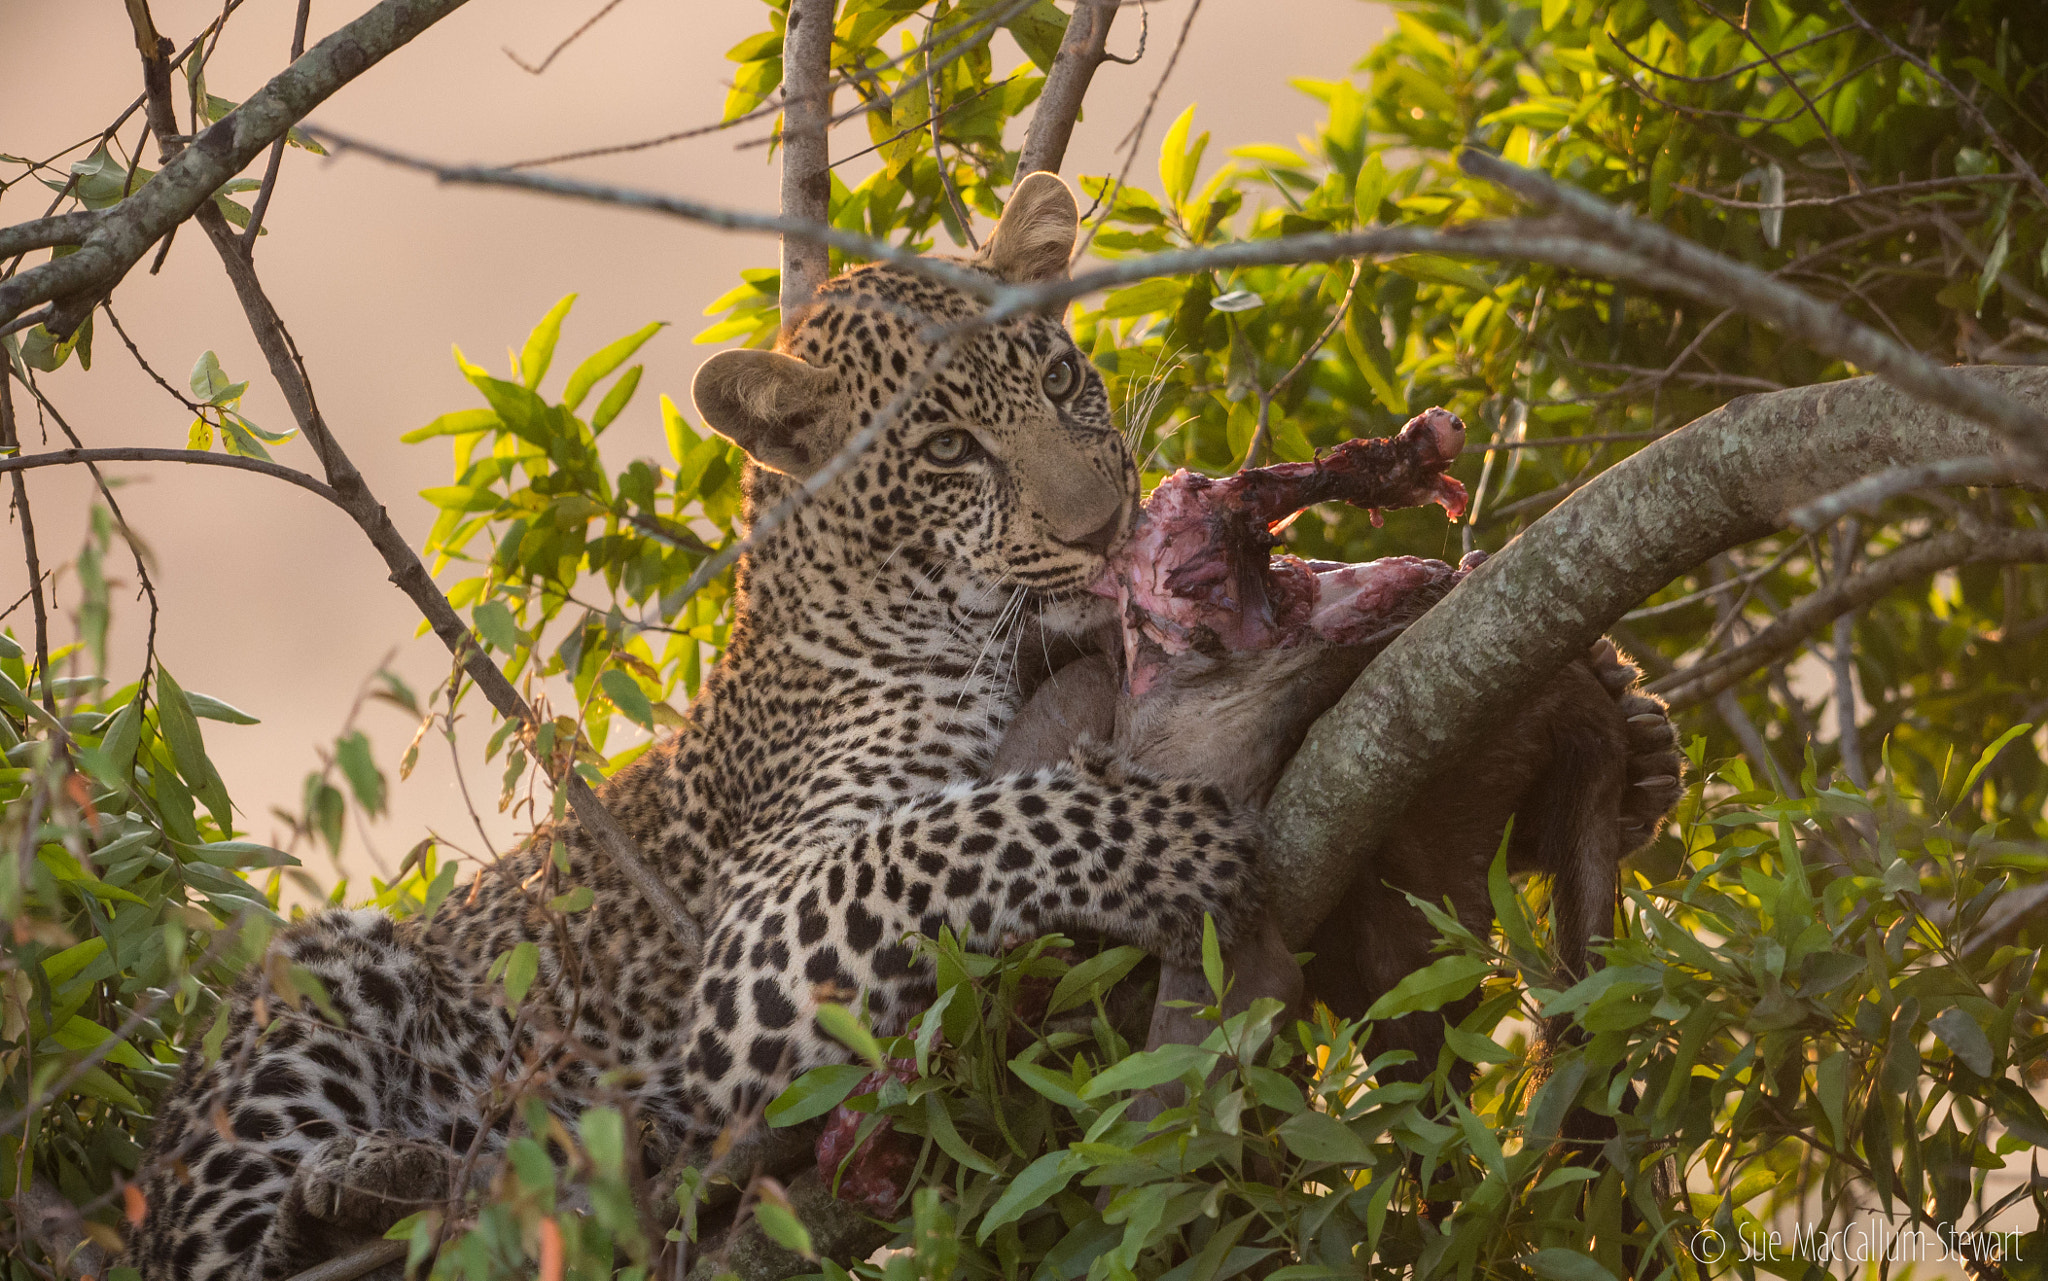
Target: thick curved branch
x=1716 y=672
x=806 y=158
x=122 y=234
x=1084 y=48
x=1724 y=480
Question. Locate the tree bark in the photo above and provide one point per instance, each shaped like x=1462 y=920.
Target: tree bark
x=122 y=234
x=1082 y=50
x=1726 y=479
x=806 y=176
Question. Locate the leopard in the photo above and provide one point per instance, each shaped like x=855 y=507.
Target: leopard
x=941 y=479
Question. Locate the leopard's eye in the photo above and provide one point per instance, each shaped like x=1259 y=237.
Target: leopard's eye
x=1062 y=377
x=949 y=447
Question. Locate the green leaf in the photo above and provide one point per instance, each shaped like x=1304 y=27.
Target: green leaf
x=841 y=1025
x=1034 y=1185
x=1038 y=31
x=1103 y=970
x=352 y=753
x=604 y=1138
x=815 y=1093
x=494 y=623
x=1960 y=1033
x=1994 y=262
x=1057 y=1086
x=235 y=434
x=575 y=900
x=1989 y=755
x=779 y=1221
x=539 y=351
x=1474 y=1048
x=626 y=695
x=1177 y=160
x=615 y=400
x=603 y=361
x=1559 y=1264
x=1318 y=1136
x=947 y=1136
x=207 y=379
x=1831 y=1087
x=188 y=748
x=1432 y=987
x=459 y=423
x=1212 y=957
x=1147 y=1068
x=437 y=892
x=213 y=709
x=521 y=968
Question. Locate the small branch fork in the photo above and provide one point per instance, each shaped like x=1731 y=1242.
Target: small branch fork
x=1842 y=596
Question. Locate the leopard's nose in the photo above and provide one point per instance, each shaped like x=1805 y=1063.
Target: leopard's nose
x=1102 y=539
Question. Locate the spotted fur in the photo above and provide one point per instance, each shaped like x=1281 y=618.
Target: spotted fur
x=824 y=801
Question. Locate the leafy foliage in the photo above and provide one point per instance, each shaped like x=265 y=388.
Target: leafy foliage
x=1814 y=998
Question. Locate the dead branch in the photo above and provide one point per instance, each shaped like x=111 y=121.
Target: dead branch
x=121 y=234
x=1084 y=48
x=806 y=153
x=1717 y=672
x=1724 y=480
x=1872 y=491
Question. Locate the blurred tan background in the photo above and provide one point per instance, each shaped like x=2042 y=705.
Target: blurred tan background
x=274 y=601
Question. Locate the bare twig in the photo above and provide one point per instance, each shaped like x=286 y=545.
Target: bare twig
x=1712 y=278
x=127 y=230
x=567 y=40
x=1864 y=193
x=1084 y=48
x=10 y=441
x=933 y=85
x=1716 y=672
x=136 y=454
x=1262 y=436
x=128 y=535
x=1962 y=100
x=806 y=158
x=263 y=194
x=1136 y=136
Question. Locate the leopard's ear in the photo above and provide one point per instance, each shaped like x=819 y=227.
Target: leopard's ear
x=1035 y=236
x=768 y=404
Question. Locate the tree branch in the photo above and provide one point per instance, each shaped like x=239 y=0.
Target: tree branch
x=806 y=157
x=1084 y=48
x=1711 y=278
x=130 y=454
x=1724 y=480
x=62 y=229
x=125 y=232
x=1872 y=491
x=1717 y=672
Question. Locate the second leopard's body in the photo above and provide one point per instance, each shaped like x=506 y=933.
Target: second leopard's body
x=823 y=801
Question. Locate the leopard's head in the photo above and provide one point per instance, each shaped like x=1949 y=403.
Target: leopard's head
x=1004 y=470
